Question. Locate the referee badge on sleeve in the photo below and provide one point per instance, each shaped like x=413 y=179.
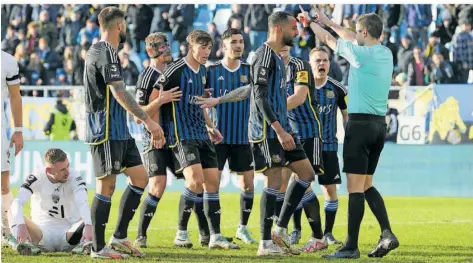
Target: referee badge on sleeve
x=262 y=76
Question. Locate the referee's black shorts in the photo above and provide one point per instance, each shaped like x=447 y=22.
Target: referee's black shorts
x=364 y=140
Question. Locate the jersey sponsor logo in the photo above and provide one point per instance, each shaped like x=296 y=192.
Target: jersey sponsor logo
x=330 y=94
x=261 y=77
x=326 y=109
x=244 y=78
x=117 y=165
x=276 y=158
x=302 y=76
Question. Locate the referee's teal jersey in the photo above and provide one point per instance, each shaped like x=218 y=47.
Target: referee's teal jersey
x=371 y=69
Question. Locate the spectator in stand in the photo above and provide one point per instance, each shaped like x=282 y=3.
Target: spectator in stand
x=35 y=74
x=130 y=71
x=87 y=34
x=160 y=21
x=32 y=37
x=256 y=23
x=385 y=40
x=22 y=57
x=181 y=18
x=132 y=55
x=11 y=41
x=183 y=49
x=462 y=44
x=238 y=14
x=434 y=46
x=70 y=30
x=392 y=21
x=238 y=24
x=442 y=71
x=50 y=60
x=447 y=28
x=21 y=35
x=404 y=55
x=303 y=43
x=417 y=71
x=216 y=52
x=48 y=29
x=140 y=18
x=62 y=76
x=418 y=18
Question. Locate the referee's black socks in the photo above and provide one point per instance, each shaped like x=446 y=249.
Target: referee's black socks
x=128 y=205
x=100 y=211
x=356 y=210
x=377 y=206
x=294 y=193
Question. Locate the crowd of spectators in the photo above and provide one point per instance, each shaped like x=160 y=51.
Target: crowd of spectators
x=430 y=43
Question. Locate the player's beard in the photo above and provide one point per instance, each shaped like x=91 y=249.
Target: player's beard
x=236 y=54
x=288 y=40
x=122 y=37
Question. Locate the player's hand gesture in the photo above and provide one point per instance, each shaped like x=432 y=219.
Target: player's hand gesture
x=87 y=233
x=320 y=16
x=17 y=140
x=215 y=135
x=157 y=134
x=303 y=17
x=166 y=96
x=206 y=103
x=23 y=234
x=286 y=140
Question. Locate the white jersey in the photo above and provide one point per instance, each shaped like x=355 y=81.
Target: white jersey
x=53 y=203
x=10 y=76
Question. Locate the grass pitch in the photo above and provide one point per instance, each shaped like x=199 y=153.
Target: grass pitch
x=429 y=230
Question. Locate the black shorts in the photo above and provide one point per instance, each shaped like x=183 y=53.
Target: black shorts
x=364 y=141
x=239 y=157
x=157 y=160
x=190 y=152
x=114 y=156
x=331 y=169
x=270 y=154
x=313 y=148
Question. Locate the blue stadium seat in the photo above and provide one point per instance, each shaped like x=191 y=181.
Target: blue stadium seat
x=204 y=16
x=221 y=19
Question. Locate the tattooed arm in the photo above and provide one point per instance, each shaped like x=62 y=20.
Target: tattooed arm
x=118 y=89
x=238 y=94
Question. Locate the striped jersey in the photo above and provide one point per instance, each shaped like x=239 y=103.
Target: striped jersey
x=304 y=119
x=147 y=81
x=268 y=81
x=231 y=118
x=106 y=118
x=184 y=120
x=331 y=96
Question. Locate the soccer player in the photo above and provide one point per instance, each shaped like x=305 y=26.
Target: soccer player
x=369 y=81
x=156 y=161
x=10 y=87
x=60 y=214
x=303 y=118
x=189 y=128
x=330 y=95
x=113 y=149
x=232 y=121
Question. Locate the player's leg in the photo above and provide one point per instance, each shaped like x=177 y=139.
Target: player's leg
x=104 y=157
x=30 y=247
x=7 y=196
x=285 y=177
x=329 y=182
x=187 y=160
x=155 y=163
x=133 y=168
x=211 y=195
x=267 y=160
x=241 y=162
x=388 y=240
x=296 y=233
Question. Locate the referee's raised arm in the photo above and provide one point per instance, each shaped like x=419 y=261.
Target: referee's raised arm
x=369 y=81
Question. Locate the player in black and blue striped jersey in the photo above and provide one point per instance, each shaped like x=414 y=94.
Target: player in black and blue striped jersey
x=303 y=117
x=156 y=161
x=188 y=129
x=231 y=120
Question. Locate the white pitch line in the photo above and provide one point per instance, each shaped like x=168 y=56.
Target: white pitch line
x=134 y=227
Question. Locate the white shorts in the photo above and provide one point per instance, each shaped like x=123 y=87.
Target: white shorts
x=55 y=237
x=5 y=155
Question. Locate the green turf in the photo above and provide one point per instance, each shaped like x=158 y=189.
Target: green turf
x=429 y=229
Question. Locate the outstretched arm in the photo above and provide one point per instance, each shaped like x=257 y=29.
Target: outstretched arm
x=344 y=33
x=319 y=32
x=235 y=95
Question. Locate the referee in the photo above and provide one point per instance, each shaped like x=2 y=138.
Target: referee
x=369 y=82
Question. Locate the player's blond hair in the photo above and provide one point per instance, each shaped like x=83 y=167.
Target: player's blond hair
x=54 y=155
x=199 y=37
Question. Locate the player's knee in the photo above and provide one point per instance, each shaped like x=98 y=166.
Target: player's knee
x=195 y=184
x=330 y=191
x=157 y=186
x=247 y=186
